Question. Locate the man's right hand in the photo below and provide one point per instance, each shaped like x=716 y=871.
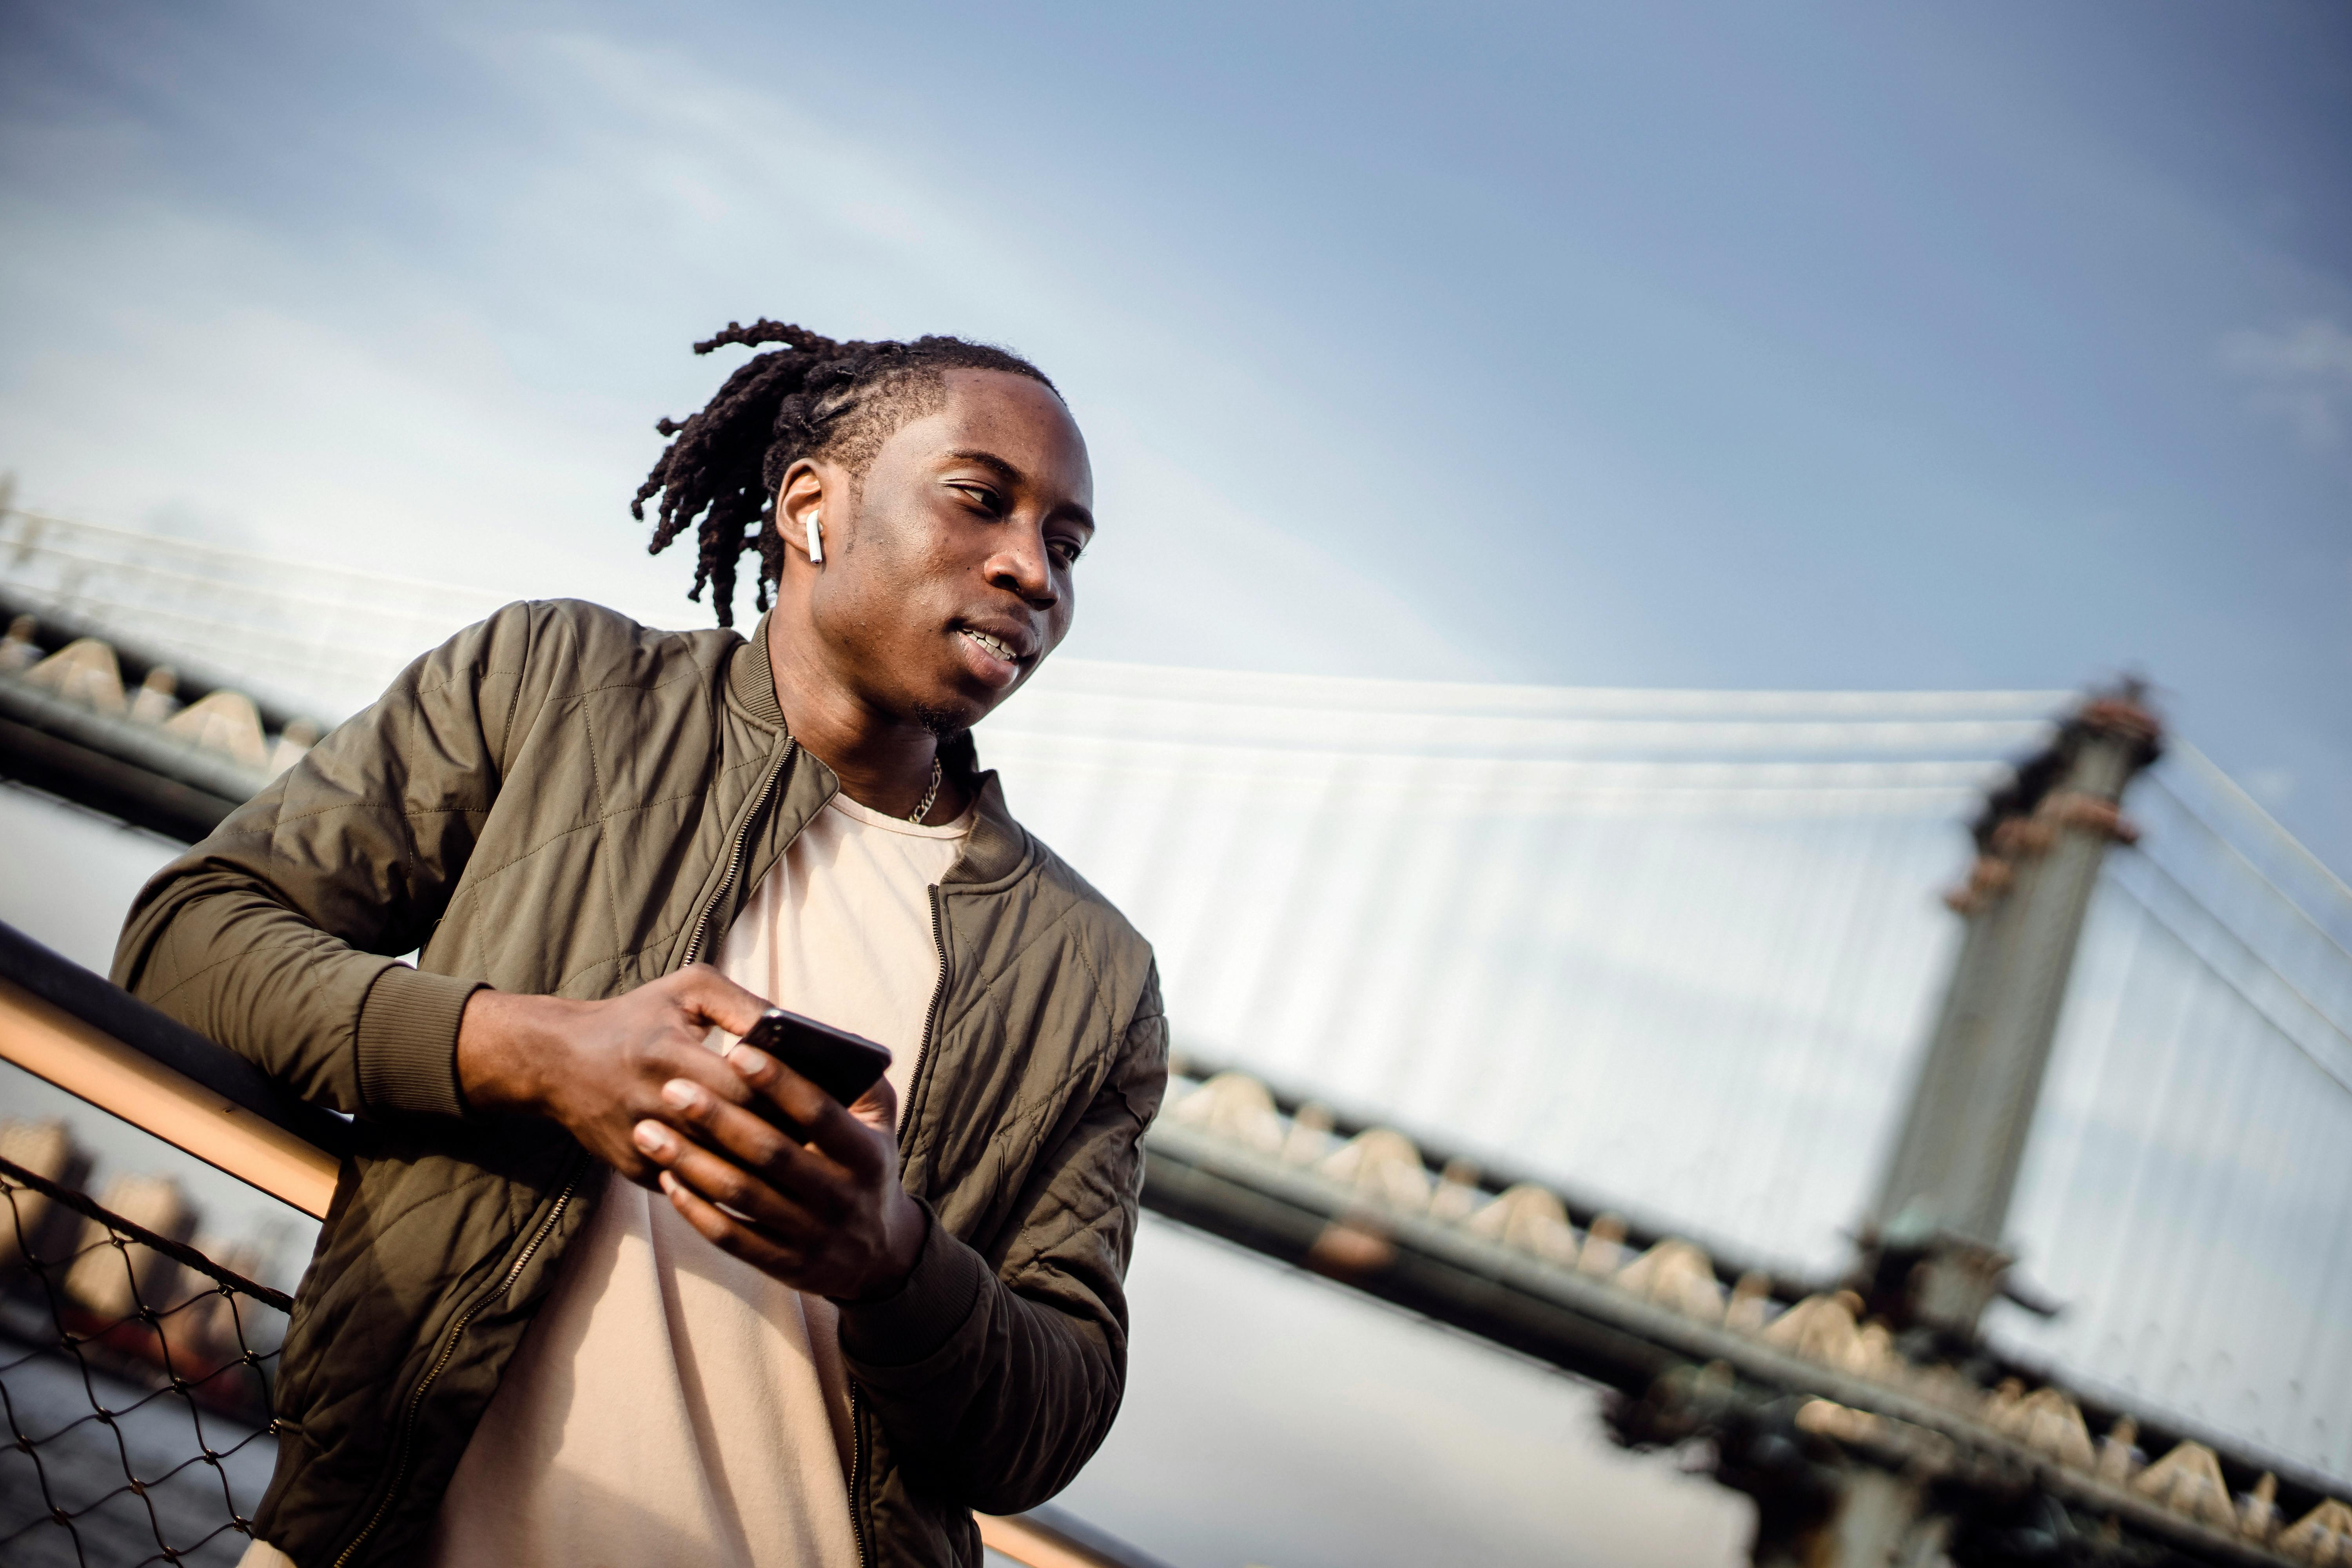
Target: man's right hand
x=598 y=1067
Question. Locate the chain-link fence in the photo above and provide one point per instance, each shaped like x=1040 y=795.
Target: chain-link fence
x=134 y=1379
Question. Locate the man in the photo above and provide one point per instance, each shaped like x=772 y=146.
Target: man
x=575 y=1301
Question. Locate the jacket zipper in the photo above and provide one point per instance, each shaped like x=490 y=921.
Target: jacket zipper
x=906 y=1124
x=931 y=1021
x=735 y=855
x=449 y=1349
x=856 y=1470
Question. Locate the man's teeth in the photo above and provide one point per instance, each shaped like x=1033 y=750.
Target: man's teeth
x=993 y=646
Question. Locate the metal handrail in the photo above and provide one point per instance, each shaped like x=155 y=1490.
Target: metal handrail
x=62 y=1023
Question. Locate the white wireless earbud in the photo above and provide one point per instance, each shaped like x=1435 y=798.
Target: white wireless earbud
x=815 y=540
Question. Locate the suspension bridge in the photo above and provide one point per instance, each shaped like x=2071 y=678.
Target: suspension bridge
x=1628 y=1028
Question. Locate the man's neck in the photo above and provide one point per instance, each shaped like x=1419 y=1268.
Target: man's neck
x=883 y=764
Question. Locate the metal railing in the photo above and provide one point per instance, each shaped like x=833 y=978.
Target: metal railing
x=134 y=1370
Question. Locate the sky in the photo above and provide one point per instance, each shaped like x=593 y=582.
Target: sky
x=1815 y=346
x=1809 y=346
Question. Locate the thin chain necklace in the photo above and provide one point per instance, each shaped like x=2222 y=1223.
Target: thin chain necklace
x=930 y=795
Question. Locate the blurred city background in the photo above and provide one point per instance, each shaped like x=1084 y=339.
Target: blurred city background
x=1651 y=475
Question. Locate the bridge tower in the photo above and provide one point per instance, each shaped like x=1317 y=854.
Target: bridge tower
x=1931 y=1255
x=1932 y=1247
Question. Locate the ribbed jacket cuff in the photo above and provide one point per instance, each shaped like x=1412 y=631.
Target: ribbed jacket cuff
x=933 y=1303
x=408 y=1041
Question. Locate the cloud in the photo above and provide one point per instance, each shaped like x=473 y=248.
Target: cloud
x=2301 y=374
x=325 y=386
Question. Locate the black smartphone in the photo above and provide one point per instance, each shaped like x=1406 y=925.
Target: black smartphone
x=842 y=1064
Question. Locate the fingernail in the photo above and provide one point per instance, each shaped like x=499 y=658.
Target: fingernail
x=748 y=1062
x=668 y=1183
x=652 y=1137
x=677 y=1094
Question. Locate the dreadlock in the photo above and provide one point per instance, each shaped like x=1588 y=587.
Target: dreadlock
x=812 y=398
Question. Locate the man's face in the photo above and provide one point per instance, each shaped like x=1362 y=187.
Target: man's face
x=950 y=581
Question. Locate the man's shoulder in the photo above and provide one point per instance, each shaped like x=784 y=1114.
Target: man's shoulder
x=1037 y=890
x=586 y=645
x=1070 y=900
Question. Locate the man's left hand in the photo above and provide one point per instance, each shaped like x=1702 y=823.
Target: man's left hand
x=825 y=1214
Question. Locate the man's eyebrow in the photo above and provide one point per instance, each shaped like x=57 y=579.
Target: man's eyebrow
x=991 y=462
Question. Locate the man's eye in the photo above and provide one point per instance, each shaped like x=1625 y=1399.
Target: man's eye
x=1066 y=552
x=979 y=495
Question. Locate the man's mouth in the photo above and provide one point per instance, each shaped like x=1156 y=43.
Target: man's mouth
x=996 y=660
x=996 y=648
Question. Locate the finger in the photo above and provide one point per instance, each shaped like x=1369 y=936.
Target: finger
x=730 y=1235
x=715 y=999
x=696 y=1063
x=800 y=1101
x=723 y=1183
x=809 y=1178
x=851 y=1142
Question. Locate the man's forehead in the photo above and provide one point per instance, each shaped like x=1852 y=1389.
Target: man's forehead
x=999 y=397
x=1019 y=430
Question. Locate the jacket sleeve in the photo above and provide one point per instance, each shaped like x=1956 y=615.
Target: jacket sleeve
x=275 y=935
x=999 y=1383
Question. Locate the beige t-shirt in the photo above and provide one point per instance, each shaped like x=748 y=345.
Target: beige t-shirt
x=670 y=1404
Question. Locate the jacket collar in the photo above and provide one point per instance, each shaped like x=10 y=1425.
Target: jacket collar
x=997 y=848
x=753 y=681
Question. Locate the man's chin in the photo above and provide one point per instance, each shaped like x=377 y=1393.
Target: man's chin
x=961 y=704
x=951 y=717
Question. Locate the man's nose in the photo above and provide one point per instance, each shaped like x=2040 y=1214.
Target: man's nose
x=1021 y=564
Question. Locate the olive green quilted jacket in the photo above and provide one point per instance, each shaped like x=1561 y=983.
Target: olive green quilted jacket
x=560 y=801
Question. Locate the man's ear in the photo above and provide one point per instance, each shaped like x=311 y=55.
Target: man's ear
x=800 y=500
